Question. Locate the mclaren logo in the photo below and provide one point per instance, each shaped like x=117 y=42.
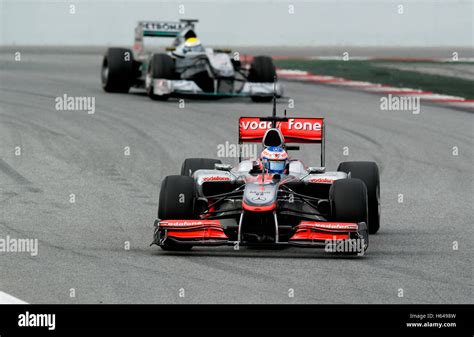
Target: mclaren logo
x=259 y=198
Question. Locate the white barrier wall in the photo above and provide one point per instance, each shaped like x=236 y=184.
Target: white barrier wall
x=293 y=23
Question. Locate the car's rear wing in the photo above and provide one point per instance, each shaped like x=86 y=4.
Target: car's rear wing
x=163 y=28
x=160 y=29
x=294 y=129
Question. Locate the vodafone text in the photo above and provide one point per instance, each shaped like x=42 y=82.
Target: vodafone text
x=292 y=125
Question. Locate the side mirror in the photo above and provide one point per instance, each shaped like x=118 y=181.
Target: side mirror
x=223 y=167
x=293 y=147
x=316 y=169
x=223 y=50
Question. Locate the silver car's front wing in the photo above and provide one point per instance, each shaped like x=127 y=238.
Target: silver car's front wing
x=167 y=87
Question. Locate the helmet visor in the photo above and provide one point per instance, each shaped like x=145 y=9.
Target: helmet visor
x=194 y=49
x=276 y=166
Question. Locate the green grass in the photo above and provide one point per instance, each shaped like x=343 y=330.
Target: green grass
x=371 y=71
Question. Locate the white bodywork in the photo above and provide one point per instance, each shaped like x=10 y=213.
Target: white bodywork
x=241 y=171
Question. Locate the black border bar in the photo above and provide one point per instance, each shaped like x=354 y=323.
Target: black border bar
x=335 y=319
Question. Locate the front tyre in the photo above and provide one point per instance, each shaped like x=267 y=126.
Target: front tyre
x=262 y=70
x=161 y=66
x=176 y=202
x=368 y=172
x=117 y=70
x=348 y=199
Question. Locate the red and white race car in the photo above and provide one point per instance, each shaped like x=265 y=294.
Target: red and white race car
x=212 y=204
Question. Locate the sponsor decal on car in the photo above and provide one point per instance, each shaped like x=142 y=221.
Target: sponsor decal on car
x=321 y=180
x=330 y=225
x=256 y=125
x=188 y=223
x=303 y=125
x=163 y=26
x=292 y=124
x=216 y=178
x=307 y=130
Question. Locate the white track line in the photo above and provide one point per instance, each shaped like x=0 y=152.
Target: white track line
x=9 y=299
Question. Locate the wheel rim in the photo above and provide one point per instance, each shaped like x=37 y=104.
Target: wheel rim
x=149 y=82
x=105 y=74
x=378 y=202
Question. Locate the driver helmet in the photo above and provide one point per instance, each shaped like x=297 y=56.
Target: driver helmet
x=193 y=44
x=274 y=159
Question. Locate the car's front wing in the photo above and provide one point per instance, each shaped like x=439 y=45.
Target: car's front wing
x=332 y=236
x=186 y=87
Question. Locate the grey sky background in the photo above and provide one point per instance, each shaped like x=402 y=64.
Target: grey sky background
x=244 y=23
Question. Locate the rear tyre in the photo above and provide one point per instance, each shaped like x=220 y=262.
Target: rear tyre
x=262 y=70
x=160 y=66
x=117 y=70
x=348 y=199
x=368 y=172
x=176 y=202
x=191 y=165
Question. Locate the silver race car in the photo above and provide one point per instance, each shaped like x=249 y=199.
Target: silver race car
x=187 y=68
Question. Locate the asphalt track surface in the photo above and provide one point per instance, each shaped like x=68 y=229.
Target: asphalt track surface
x=82 y=244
